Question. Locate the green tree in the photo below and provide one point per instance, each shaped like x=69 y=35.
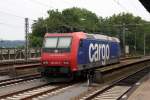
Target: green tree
x=113 y=26
x=79 y=19
x=72 y=19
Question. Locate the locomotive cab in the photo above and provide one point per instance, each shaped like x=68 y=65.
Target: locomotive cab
x=59 y=54
x=55 y=55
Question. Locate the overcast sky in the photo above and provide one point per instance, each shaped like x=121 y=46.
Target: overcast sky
x=13 y=12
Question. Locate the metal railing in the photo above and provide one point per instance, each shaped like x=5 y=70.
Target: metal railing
x=17 y=53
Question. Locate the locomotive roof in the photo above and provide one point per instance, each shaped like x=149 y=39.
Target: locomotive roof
x=90 y=36
x=103 y=37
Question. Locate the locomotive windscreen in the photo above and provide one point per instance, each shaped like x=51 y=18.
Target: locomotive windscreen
x=60 y=43
x=50 y=42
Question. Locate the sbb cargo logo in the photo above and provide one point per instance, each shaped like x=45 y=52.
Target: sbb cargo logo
x=99 y=52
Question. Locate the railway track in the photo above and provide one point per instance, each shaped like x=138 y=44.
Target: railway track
x=18 y=61
x=118 y=89
x=130 y=57
x=19 y=79
x=45 y=90
x=7 y=67
x=11 y=69
x=38 y=92
x=19 y=66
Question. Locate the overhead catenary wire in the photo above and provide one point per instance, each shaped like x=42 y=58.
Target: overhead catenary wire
x=14 y=24
x=122 y=6
x=11 y=14
x=140 y=10
x=15 y=15
x=40 y=3
x=68 y=2
x=9 y=25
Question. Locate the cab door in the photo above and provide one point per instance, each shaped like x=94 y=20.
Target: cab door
x=81 y=53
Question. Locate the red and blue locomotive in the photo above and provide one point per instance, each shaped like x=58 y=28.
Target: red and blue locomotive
x=69 y=54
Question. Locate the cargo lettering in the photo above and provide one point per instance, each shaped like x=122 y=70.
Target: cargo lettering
x=99 y=52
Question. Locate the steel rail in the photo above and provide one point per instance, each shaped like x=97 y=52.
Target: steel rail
x=19 y=79
x=127 y=82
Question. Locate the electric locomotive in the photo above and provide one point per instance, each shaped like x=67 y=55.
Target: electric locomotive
x=71 y=54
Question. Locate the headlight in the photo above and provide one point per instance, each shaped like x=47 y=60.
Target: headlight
x=45 y=62
x=66 y=62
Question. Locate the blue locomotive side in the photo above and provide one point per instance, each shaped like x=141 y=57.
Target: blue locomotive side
x=96 y=52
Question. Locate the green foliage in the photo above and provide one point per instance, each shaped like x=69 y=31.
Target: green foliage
x=77 y=19
x=69 y=20
x=39 y=28
x=35 y=41
x=81 y=20
x=135 y=28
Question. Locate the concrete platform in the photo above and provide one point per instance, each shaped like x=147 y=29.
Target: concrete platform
x=123 y=63
x=143 y=91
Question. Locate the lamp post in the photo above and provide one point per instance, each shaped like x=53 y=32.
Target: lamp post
x=124 y=29
x=144 y=43
x=135 y=40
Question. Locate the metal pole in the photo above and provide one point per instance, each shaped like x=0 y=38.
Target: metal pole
x=144 y=43
x=26 y=37
x=46 y=27
x=135 y=39
x=123 y=33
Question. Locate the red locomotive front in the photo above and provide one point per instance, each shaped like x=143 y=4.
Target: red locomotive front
x=59 y=53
